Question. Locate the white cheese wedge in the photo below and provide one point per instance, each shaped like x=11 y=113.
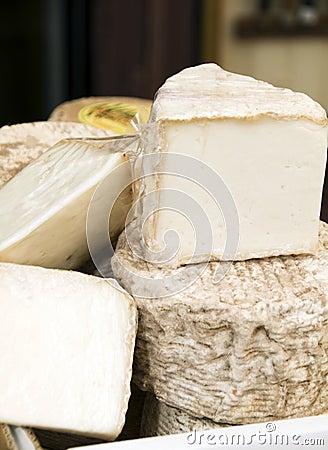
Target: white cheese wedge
x=24 y=142
x=250 y=348
x=267 y=147
x=44 y=207
x=66 y=342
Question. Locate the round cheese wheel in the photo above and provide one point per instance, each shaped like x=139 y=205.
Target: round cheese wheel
x=253 y=347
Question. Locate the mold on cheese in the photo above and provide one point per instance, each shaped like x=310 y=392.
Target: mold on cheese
x=253 y=347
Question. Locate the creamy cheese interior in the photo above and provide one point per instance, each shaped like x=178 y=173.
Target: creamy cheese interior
x=44 y=207
x=274 y=171
x=66 y=342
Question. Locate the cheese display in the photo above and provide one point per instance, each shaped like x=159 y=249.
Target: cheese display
x=44 y=207
x=159 y=419
x=22 y=143
x=237 y=146
x=67 y=342
x=220 y=301
x=250 y=348
x=111 y=113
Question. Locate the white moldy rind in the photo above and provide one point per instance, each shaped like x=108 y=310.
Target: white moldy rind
x=66 y=342
x=208 y=91
x=267 y=145
x=159 y=419
x=24 y=142
x=253 y=347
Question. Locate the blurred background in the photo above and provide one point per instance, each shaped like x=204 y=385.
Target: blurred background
x=58 y=50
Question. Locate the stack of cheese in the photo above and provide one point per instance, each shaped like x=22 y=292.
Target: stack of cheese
x=238 y=342
x=66 y=338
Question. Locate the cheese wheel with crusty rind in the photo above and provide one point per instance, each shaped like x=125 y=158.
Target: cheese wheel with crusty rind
x=253 y=347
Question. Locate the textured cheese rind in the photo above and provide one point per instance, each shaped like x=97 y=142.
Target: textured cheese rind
x=66 y=342
x=159 y=419
x=8 y=441
x=22 y=143
x=226 y=95
x=253 y=347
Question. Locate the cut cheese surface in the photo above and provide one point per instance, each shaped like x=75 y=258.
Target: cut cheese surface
x=250 y=348
x=22 y=143
x=44 y=207
x=66 y=343
x=239 y=163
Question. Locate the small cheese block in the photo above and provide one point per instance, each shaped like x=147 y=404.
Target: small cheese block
x=233 y=159
x=110 y=113
x=22 y=143
x=250 y=348
x=66 y=342
x=159 y=419
x=44 y=207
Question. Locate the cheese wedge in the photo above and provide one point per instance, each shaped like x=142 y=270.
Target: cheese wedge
x=22 y=143
x=250 y=348
x=44 y=207
x=159 y=419
x=237 y=169
x=66 y=342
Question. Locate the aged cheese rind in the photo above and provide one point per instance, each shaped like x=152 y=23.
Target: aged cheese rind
x=44 y=207
x=159 y=419
x=227 y=95
x=22 y=143
x=266 y=145
x=67 y=342
x=252 y=347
